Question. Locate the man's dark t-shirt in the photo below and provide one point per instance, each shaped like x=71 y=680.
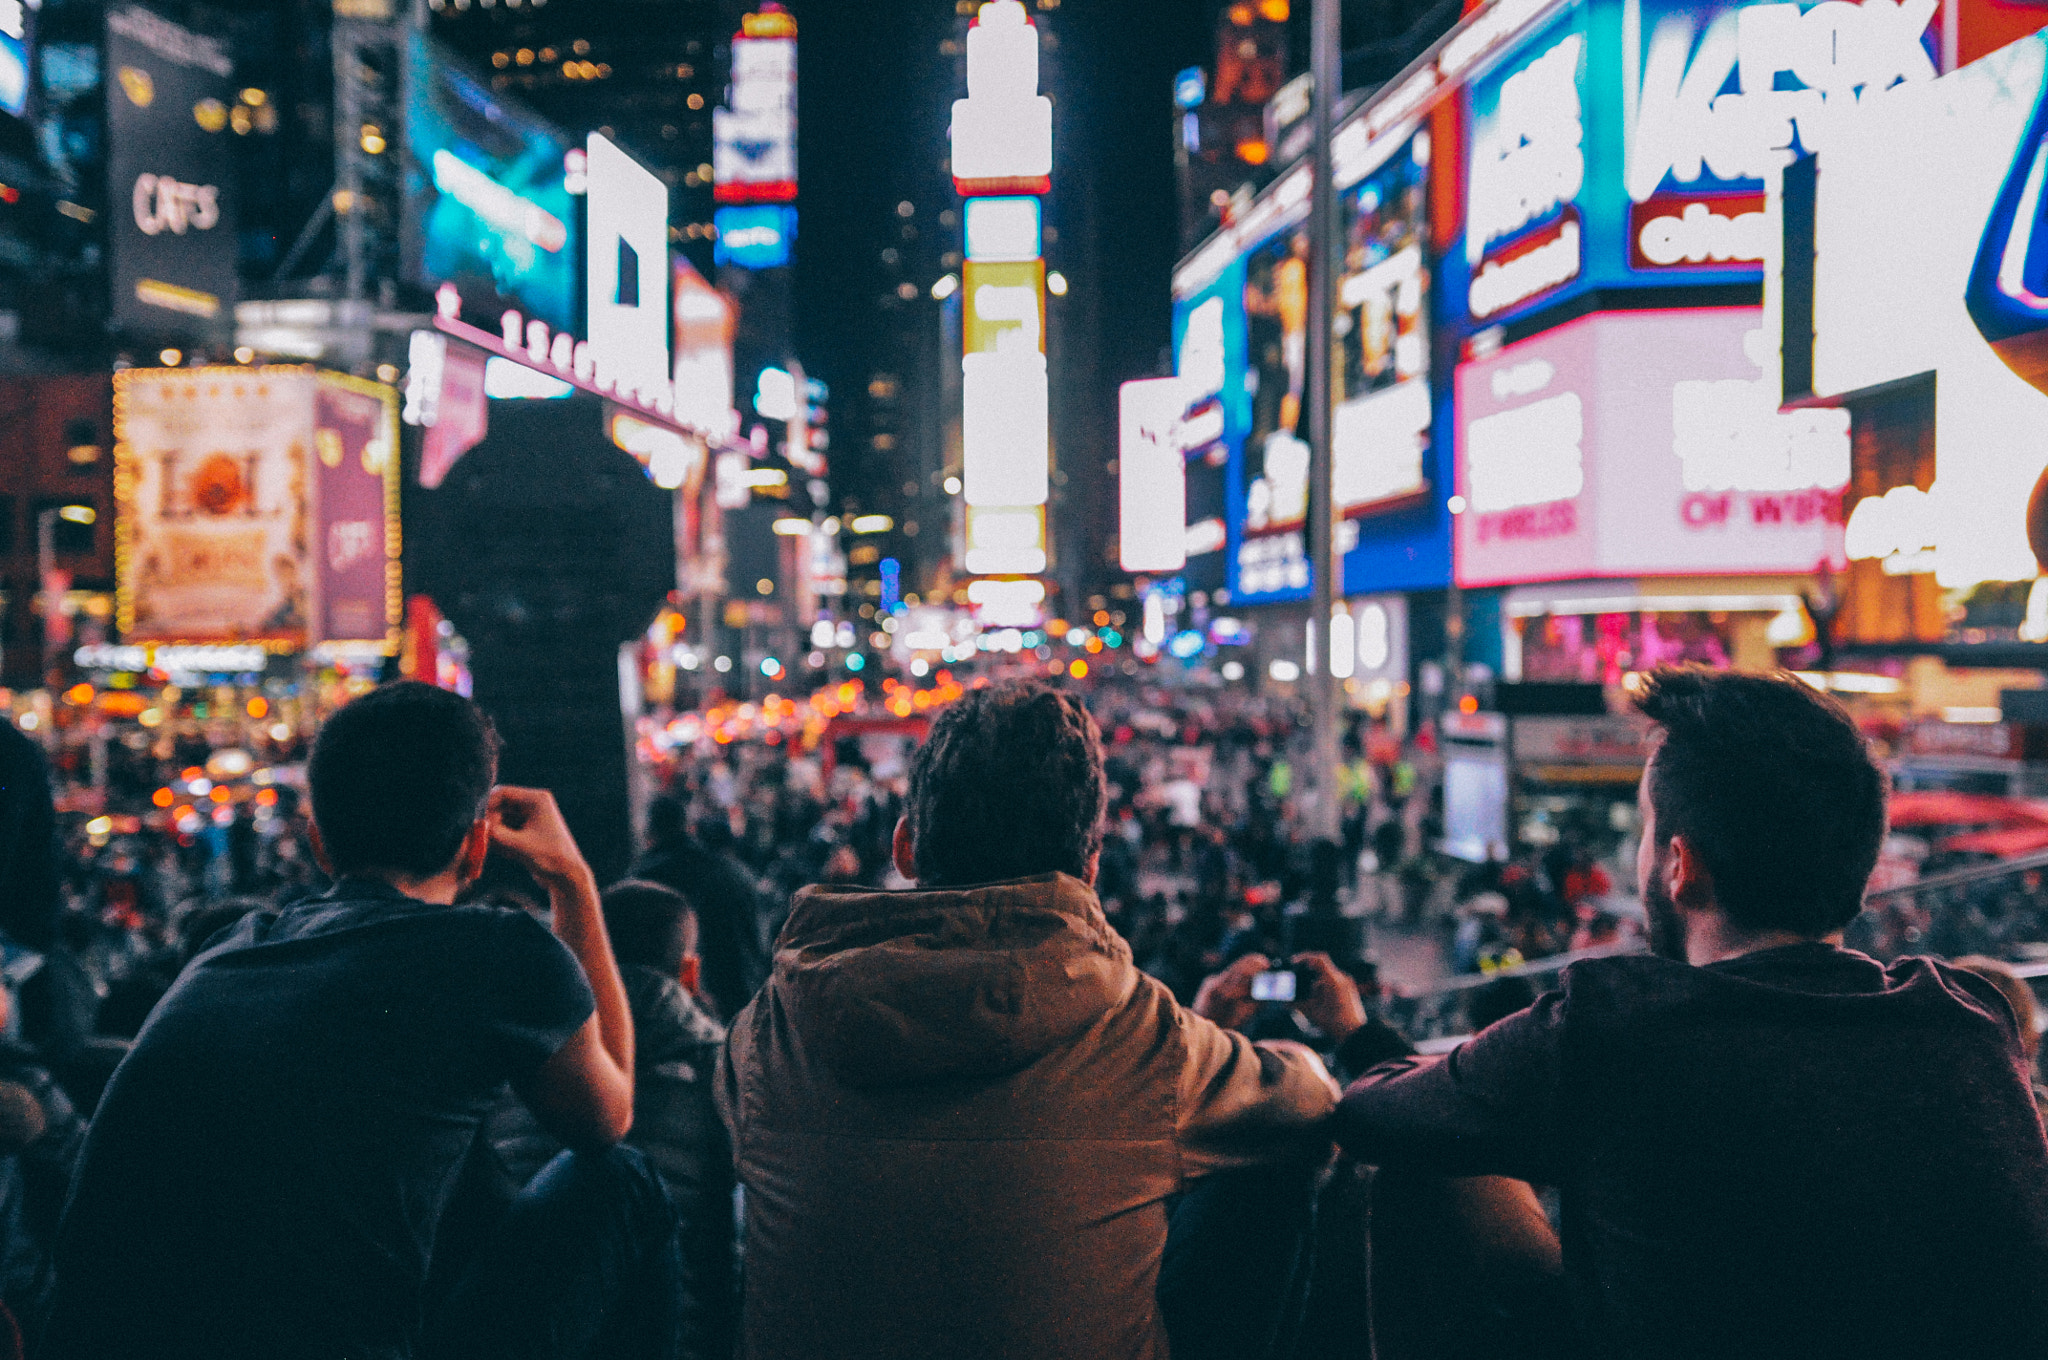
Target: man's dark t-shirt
x=1797 y=1152
x=268 y=1166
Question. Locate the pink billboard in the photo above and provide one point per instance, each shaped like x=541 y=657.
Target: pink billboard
x=355 y=440
x=1642 y=443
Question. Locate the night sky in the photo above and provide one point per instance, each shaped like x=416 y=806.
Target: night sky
x=875 y=98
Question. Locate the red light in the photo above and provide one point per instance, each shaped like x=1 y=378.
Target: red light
x=1468 y=704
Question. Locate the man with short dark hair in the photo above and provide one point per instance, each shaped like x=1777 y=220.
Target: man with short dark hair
x=266 y=1173
x=1766 y=1144
x=960 y=1112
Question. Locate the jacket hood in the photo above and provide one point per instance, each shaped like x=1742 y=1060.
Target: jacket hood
x=899 y=988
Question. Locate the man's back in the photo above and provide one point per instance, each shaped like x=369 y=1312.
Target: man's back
x=958 y=1114
x=1793 y=1152
x=266 y=1171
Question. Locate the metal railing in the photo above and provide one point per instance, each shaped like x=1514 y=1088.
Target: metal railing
x=1996 y=909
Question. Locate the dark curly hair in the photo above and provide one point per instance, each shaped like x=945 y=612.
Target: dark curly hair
x=1009 y=784
x=1772 y=785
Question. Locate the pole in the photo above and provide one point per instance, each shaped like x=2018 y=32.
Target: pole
x=1325 y=52
x=46 y=575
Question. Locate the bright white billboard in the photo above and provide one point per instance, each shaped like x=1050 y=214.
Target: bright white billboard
x=627 y=269
x=1152 y=483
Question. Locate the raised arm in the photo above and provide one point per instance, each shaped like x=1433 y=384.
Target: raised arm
x=584 y=1093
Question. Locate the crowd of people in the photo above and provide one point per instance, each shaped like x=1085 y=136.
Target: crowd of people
x=1025 y=1040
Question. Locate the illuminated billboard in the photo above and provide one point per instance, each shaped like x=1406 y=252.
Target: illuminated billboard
x=753 y=138
x=487 y=206
x=1629 y=143
x=1646 y=442
x=1381 y=422
x=627 y=269
x=256 y=505
x=1208 y=347
x=1926 y=297
x=1002 y=131
x=1152 y=497
x=170 y=171
x=758 y=236
x=17 y=37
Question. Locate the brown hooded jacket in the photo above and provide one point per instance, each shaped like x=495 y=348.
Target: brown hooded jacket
x=958 y=1113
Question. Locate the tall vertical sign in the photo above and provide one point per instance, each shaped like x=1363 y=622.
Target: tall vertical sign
x=168 y=165
x=1002 y=159
x=627 y=269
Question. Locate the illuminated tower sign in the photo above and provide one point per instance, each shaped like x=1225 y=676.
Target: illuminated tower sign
x=1002 y=158
x=753 y=142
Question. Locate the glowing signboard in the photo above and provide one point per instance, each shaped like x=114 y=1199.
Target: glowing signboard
x=753 y=138
x=1151 y=480
x=1896 y=303
x=758 y=236
x=1642 y=443
x=1002 y=131
x=627 y=268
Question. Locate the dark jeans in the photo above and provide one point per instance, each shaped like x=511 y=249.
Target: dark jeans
x=1239 y=1250
x=584 y=1262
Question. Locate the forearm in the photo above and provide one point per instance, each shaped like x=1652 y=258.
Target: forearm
x=579 y=924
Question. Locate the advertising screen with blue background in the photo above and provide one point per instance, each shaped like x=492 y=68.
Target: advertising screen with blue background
x=1208 y=348
x=487 y=205
x=757 y=236
x=17 y=35
x=1625 y=143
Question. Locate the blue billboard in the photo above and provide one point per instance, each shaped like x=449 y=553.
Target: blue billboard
x=1625 y=143
x=759 y=236
x=487 y=203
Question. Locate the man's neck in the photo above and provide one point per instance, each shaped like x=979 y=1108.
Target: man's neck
x=439 y=889
x=1716 y=939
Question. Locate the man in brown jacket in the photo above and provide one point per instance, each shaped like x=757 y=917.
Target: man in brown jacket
x=960 y=1113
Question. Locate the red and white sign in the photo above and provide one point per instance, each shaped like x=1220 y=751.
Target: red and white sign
x=1642 y=443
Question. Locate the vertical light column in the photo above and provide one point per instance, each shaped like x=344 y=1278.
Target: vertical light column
x=1002 y=159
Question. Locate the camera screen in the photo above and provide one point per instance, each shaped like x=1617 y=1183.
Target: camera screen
x=1274 y=986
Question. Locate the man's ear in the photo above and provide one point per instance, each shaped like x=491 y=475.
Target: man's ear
x=319 y=849
x=1687 y=879
x=904 y=851
x=476 y=846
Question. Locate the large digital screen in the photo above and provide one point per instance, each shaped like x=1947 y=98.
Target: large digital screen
x=1967 y=153
x=1381 y=424
x=1629 y=143
x=757 y=236
x=17 y=20
x=1208 y=347
x=487 y=206
x=1643 y=442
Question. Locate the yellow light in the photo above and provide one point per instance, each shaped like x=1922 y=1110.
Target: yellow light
x=99 y=826
x=1252 y=153
x=259 y=707
x=524 y=56
x=79 y=694
x=373 y=139
x=872 y=524
x=78 y=514
x=1078 y=669
x=163 y=798
x=171 y=358
x=1102 y=618
x=1468 y=704
x=791 y=527
x=244 y=355
x=947 y=285
x=765 y=477
x=1274 y=10
x=1056 y=283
